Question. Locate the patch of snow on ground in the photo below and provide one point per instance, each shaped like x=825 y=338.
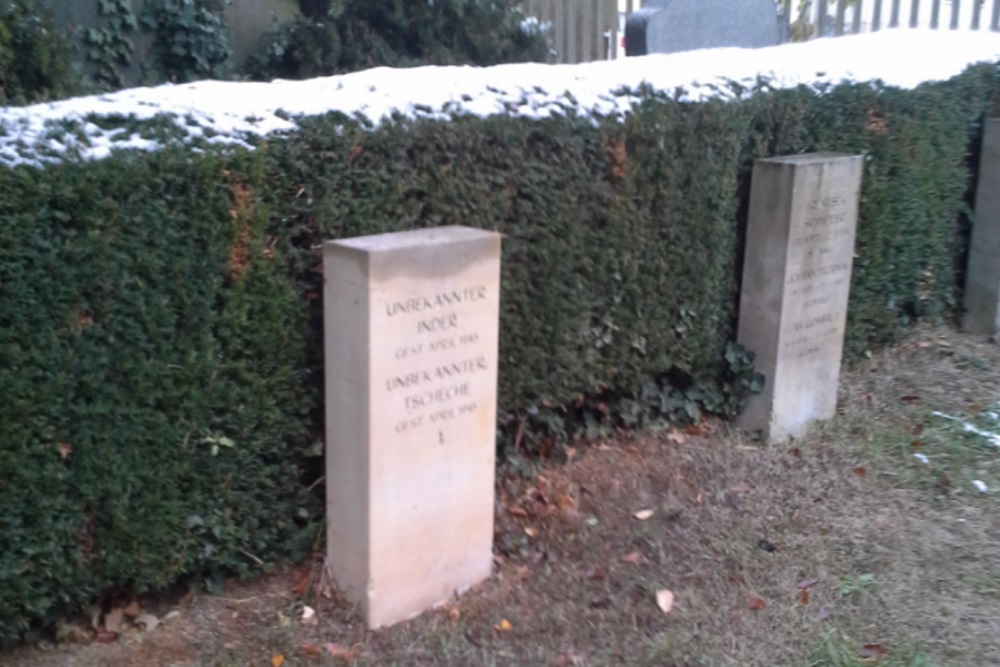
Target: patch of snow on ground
x=989 y=436
x=231 y=113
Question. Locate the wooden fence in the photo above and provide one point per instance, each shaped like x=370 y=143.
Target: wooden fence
x=582 y=30
x=813 y=18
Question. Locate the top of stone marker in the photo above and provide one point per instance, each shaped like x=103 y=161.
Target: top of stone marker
x=809 y=158
x=413 y=238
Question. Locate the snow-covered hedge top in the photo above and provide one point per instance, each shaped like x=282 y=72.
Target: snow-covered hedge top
x=230 y=113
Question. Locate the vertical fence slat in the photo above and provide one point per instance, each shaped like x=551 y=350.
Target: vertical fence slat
x=611 y=20
x=597 y=25
x=894 y=16
x=565 y=20
x=995 y=21
x=787 y=4
x=820 y=19
x=877 y=16
x=914 y=13
x=977 y=9
x=838 y=27
x=935 y=14
x=859 y=8
x=956 y=6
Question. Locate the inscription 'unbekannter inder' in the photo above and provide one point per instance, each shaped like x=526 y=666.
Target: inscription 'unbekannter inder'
x=421 y=304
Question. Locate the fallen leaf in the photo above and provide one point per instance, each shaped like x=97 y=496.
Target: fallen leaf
x=804 y=595
x=755 y=603
x=113 y=620
x=860 y=471
x=596 y=573
x=277 y=660
x=823 y=613
x=696 y=429
x=806 y=584
x=643 y=515
x=664 y=600
x=825 y=529
x=676 y=437
x=105 y=637
x=503 y=626
x=454 y=613
x=562 y=660
x=564 y=502
x=531 y=532
x=917 y=444
x=309 y=616
x=64 y=450
x=944 y=482
x=338 y=651
x=570 y=454
x=132 y=609
x=283 y=621
x=634 y=557
x=918 y=429
x=910 y=398
x=312 y=649
x=872 y=652
x=600 y=602
x=975 y=408
x=517 y=511
x=796 y=452
x=148 y=621
x=301 y=584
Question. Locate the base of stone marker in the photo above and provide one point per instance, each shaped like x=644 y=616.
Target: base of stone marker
x=411 y=337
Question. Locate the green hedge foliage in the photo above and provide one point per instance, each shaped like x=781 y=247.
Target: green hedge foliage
x=160 y=324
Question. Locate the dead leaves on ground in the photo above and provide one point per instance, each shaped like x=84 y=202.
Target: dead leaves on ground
x=871 y=653
x=107 y=625
x=334 y=650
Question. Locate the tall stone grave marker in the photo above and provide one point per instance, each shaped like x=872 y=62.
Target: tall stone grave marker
x=411 y=333
x=671 y=26
x=796 y=282
x=982 y=282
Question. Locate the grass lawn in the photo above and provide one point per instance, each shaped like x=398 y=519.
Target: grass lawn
x=868 y=542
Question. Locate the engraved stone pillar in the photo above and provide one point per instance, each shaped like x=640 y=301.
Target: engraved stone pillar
x=796 y=283
x=411 y=332
x=982 y=280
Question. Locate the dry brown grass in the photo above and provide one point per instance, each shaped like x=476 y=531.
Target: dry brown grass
x=904 y=554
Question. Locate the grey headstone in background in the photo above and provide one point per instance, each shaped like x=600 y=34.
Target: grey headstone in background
x=982 y=280
x=671 y=26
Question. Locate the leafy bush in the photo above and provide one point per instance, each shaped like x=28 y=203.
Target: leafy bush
x=345 y=35
x=191 y=39
x=34 y=55
x=160 y=317
x=149 y=353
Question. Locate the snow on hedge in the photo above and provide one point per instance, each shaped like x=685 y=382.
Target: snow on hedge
x=231 y=113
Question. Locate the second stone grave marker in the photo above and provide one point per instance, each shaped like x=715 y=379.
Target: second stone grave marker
x=982 y=283
x=796 y=283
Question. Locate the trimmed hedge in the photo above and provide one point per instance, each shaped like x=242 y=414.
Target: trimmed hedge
x=160 y=324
